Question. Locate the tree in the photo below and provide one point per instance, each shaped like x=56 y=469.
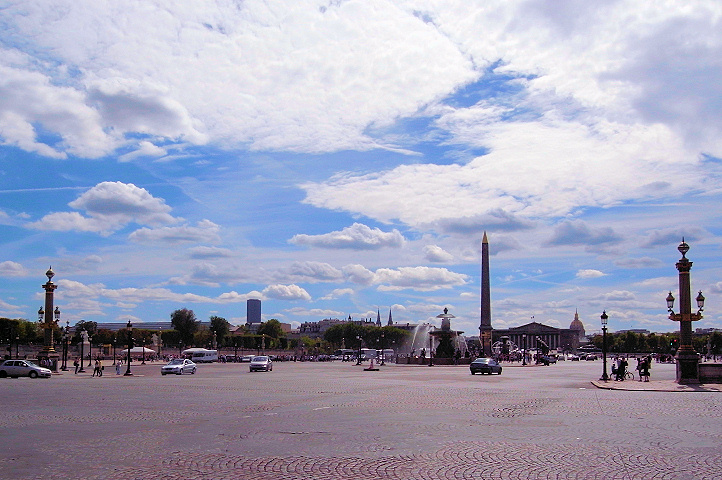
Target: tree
x=184 y=321
x=221 y=327
x=271 y=328
x=90 y=327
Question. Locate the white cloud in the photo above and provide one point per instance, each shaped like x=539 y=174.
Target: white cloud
x=314 y=272
x=9 y=268
x=205 y=232
x=355 y=237
x=416 y=278
x=109 y=206
x=286 y=292
x=434 y=253
x=314 y=312
x=337 y=293
x=590 y=274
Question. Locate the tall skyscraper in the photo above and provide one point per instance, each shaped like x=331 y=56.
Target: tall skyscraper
x=253 y=310
x=485 y=327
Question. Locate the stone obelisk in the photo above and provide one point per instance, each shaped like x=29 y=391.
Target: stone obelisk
x=485 y=326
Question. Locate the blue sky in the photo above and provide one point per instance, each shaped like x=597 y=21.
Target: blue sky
x=340 y=158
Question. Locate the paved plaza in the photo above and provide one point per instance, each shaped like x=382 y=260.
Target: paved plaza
x=336 y=421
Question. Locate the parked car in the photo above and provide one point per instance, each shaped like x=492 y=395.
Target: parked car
x=23 y=368
x=573 y=358
x=246 y=358
x=485 y=365
x=261 y=363
x=590 y=357
x=178 y=366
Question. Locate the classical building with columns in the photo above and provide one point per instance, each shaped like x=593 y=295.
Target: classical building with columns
x=530 y=336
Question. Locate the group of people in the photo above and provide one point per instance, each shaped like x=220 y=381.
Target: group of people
x=644 y=364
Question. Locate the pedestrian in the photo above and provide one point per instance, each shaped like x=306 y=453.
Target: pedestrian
x=96 y=368
x=76 y=365
x=117 y=368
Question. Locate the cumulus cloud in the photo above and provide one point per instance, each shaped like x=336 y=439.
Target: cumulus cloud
x=672 y=236
x=590 y=274
x=9 y=268
x=204 y=232
x=202 y=253
x=356 y=237
x=314 y=272
x=286 y=292
x=434 y=253
x=108 y=207
x=337 y=293
x=415 y=278
x=578 y=233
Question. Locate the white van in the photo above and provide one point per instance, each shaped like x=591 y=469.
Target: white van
x=202 y=355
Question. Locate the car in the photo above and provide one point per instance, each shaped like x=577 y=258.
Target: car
x=547 y=359
x=246 y=358
x=573 y=358
x=591 y=357
x=23 y=368
x=485 y=365
x=261 y=363
x=178 y=366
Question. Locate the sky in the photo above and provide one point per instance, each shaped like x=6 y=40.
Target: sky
x=344 y=158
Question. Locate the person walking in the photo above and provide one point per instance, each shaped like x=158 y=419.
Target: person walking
x=117 y=367
x=76 y=364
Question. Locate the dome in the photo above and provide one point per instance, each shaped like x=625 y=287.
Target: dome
x=577 y=325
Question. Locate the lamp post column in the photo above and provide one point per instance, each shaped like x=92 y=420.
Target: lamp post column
x=687 y=358
x=604 y=318
x=523 y=357
x=130 y=345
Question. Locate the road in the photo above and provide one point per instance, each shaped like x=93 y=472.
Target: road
x=336 y=421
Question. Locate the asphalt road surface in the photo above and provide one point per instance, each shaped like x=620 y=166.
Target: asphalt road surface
x=336 y=421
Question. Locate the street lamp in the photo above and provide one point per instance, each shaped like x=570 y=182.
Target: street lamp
x=358 y=361
x=604 y=318
x=523 y=357
x=129 y=326
x=114 y=342
x=687 y=358
x=82 y=345
x=142 y=345
x=383 y=346
x=431 y=344
x=66 y=339
x=90 y=351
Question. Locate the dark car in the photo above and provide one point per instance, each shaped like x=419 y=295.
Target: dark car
x=485 y=365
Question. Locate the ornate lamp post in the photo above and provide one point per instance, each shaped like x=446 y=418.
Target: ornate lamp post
x=114 y=342
x=90 y=351
x=66 y=339
x=687 y=358
x=358 y=361
x=431 y=345
x=45 y=317
x=523 y=357
x=160 y=343
x=383 y=347
x=142 y=345
x=130 y=345
x=604 y=318
x=83 y=336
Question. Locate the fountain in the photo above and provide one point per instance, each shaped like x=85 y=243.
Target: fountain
x=442 y=342
x=447 y=339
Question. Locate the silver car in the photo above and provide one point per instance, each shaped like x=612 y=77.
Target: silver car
x=23 y=368
x=178 y=366
x=261 y=363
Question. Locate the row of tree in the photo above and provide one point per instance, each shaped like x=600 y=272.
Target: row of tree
x=667 y=343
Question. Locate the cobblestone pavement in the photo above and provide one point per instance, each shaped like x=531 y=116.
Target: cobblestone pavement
x=335 y=421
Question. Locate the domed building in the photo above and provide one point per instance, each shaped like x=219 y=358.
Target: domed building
x=534 y=333
x=578 y=326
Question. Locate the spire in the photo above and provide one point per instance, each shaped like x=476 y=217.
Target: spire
x=484 y=240
x=378 y=318
x=391 y=322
